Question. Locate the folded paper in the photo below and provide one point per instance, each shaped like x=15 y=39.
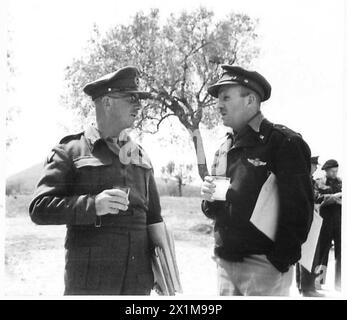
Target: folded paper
x=266 y=211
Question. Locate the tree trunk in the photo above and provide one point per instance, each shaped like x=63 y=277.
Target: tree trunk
x=200 y=152
x=179 y=180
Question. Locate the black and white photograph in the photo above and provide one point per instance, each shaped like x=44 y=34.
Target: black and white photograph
x=174 y=149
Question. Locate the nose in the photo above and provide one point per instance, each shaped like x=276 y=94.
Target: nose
x=136 y=107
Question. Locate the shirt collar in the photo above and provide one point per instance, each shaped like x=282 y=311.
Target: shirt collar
x=92 y=135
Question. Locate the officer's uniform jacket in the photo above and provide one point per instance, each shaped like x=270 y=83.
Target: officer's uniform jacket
x=326 y=187
x=105 y=253
x=260 y=148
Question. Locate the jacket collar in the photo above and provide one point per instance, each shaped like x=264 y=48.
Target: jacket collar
x=256 y=121
x=265 y=130
x=256 y=132
x=94 y=137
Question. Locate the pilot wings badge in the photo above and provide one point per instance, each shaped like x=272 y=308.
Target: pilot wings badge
x=256 y=162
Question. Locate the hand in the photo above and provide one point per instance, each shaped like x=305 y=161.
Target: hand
x=111 y=201
x=208 y=188
x=338 y=197
x=158 y=289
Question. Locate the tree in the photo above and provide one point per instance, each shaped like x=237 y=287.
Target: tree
x=12 y=111
x=177 y=61
x=181 y=174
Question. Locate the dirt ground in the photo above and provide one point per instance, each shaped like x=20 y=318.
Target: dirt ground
x=34 y=255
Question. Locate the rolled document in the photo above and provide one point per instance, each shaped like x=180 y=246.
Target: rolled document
x=164 y=264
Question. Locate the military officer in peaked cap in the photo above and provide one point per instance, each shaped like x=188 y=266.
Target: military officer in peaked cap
x=85 y=185
x=250 y=262
x=330 y=199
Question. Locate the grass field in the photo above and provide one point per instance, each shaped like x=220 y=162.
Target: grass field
x=34 y=255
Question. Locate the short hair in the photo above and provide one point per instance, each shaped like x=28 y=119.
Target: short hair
x=97 y=100
x=244 y=92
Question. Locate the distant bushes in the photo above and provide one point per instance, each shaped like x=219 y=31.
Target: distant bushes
x=170 y=189
x=13 y=188
x=25 y=181
x=17 y=205
x=18 y=188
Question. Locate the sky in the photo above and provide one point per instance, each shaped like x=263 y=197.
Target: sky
x=301 y=55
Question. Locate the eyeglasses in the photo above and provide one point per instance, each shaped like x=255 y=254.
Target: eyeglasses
x=133 y=97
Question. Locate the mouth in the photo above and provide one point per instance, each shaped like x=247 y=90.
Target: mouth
x=222 y=112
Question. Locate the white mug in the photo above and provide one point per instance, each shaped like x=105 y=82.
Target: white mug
x=222 y=185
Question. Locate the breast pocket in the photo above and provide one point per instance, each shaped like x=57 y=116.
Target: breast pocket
x=93 y=174
x=137 y=180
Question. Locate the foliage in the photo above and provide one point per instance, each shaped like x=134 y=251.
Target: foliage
x=12 y=111
x=177 y=60
x=182 y=174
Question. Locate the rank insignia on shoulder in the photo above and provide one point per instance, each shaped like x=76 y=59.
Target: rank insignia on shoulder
x=256 y=162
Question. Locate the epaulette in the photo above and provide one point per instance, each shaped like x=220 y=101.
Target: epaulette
x=286 y=131
x=71 y=137
x=64 y=140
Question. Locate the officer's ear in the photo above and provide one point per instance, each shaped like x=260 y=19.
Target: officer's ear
x=251 y=99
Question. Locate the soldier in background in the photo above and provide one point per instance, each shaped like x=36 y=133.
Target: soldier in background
x=84 y=186
x=306 y=279
x=330 y=198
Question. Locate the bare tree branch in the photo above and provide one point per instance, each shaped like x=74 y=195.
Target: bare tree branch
x=234 y=52
x=183 y=83
x=163 y=118
x=203 y=44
